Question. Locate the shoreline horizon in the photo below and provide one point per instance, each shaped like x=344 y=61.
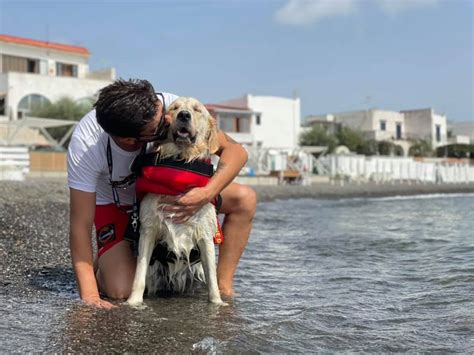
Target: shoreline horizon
x=56 y=189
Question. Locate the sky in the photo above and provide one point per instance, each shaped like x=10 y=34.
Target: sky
x=335 y=55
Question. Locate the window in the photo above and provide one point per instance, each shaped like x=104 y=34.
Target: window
x=258 y=120
x=2 y=106
x=230 y=123
x=29 y=103
x=32 y=66
x=399 y=131
x=63 y=69
x=383 y=125
x=226 y=124
x=438 y=133
x=242 y=124
x=19 y=64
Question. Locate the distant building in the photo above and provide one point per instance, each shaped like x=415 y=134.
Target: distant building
x=401 y=128
x=324 y=121
x=260 y=121
x=33 y=72
x=461 y=132
x=426 y=124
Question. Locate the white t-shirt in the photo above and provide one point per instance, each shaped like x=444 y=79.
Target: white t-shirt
x=87 y=167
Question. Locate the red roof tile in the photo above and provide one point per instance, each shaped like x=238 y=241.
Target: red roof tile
x=43 y=44
x=225 y=107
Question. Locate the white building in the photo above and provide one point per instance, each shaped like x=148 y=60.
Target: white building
x=426 y=124
x=33 y=72
x=260 y=121
x=400 y=128
x=461 y=132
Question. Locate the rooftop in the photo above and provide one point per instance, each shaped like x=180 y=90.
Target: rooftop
x=43 y=44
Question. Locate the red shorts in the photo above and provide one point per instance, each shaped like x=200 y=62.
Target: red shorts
x=110 y=224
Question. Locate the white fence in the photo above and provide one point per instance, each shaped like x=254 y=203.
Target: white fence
x=377 y=168
x=264 y=160
x=14 y=163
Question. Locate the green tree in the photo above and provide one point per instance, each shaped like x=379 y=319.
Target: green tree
x=318 y=136
x=421 y=148
x=456 y=151
x=66 y=109
x=352 y=139
x=389 y=148
x=370 y=147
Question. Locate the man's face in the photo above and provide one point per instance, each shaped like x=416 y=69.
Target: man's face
x=159 y=122
x=149 y=132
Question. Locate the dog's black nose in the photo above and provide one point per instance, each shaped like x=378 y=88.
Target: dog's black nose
x=184 y=116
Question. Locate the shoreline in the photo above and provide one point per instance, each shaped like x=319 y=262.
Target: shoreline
x=330 y=191
x=55 y=189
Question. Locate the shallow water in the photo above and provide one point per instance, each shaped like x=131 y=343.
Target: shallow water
x=379 y=275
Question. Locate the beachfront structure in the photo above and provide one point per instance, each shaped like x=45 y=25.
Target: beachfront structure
x=260 y=121
x=461 y=132
x=400 y=128
x=33 y=72
x=426 y=124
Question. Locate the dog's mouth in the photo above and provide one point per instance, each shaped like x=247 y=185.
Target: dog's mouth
x=183 y=135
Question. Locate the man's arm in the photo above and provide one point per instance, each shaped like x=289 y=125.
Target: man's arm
x=232 y=159
x=82 y=210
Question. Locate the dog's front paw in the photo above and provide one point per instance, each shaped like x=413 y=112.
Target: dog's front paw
x=218 y=302
x=134 y=302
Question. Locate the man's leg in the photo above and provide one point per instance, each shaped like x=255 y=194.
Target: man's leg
x=239 y=203
x=116 y=270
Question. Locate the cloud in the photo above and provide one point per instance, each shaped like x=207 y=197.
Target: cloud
x=306 y=12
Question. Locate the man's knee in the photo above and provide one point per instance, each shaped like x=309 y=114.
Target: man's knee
x=114 y=288
x=116 y=271
x=247 y=200
x=118 y=293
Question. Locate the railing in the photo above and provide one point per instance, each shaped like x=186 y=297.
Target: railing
x=359 y=167
x=14 y=163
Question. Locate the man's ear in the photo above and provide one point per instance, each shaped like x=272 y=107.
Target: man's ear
x=213 y=142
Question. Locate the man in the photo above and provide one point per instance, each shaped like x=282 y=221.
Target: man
x=127 y=115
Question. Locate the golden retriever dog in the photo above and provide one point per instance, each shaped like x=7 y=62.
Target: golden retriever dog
x=193 y=136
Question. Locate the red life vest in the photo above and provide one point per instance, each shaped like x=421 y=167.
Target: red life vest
x=172 y=177
x=165 y=180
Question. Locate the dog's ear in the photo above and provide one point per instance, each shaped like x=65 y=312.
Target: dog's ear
x=213 y=142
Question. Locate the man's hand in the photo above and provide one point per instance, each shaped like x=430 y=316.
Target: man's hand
x=183 y=207
x=96 y=301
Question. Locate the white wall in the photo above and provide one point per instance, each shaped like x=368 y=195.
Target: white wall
x=19 y=85
x=280 y=119
x=359 y=120
x=391 y=119
x=422 y=124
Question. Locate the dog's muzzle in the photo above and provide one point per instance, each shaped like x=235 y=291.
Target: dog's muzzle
x=183 y=133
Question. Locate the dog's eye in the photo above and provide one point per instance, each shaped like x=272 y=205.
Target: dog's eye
x=197 y=108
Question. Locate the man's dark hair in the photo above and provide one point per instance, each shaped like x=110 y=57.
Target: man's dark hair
x=125 y=107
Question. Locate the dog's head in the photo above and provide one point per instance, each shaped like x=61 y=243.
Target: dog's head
x=192 y=131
